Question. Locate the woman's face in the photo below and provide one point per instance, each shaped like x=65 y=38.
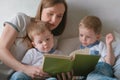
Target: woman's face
x=53 y=15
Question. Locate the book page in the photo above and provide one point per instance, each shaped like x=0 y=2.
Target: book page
x=57 y=56
x=80 y=51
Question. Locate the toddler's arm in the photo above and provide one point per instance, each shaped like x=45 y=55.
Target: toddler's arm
x=110 y=58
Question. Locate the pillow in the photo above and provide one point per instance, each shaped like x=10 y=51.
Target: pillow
x=116 y=68
x=68 y=45
x=117 y=36
x=116 y=43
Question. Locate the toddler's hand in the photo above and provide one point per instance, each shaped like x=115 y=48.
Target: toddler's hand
x=109 y=38
x=65 y=76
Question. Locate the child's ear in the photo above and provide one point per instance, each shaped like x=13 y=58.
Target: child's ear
x=33 y=44
x=98 y=36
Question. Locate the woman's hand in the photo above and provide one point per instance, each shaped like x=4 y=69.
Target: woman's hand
x=34 y=71
x=42 y=73
x=65 y=76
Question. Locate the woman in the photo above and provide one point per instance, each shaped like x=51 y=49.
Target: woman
x=14 y=46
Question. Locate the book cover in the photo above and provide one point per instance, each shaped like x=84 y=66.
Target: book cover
x=56 y=64
x=78 y=61
x=84 y=64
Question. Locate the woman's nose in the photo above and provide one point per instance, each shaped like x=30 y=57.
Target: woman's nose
x=53 y=19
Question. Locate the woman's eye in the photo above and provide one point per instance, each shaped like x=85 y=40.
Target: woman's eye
x=88 y=37
x=50 y=14
x=60 y=16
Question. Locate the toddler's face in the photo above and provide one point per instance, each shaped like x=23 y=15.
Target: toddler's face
x=44 y=41
x=87 y=36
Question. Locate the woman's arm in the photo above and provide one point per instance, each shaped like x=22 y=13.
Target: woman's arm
x=7 y=39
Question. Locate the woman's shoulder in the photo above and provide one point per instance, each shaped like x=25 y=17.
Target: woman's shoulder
x=22 y=14
x=20 y=21
x=19 y=18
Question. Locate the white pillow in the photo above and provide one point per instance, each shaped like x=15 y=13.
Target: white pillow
x=116 y=43
x=117 y=35
x=68 y=45
x=116 y=68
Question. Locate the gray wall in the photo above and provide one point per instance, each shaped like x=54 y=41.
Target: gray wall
x=107 y=10
x=8 y=9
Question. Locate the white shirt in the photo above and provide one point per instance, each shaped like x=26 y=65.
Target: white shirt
x=35 y=57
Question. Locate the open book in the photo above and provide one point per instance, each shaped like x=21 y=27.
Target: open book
x=79 y=61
